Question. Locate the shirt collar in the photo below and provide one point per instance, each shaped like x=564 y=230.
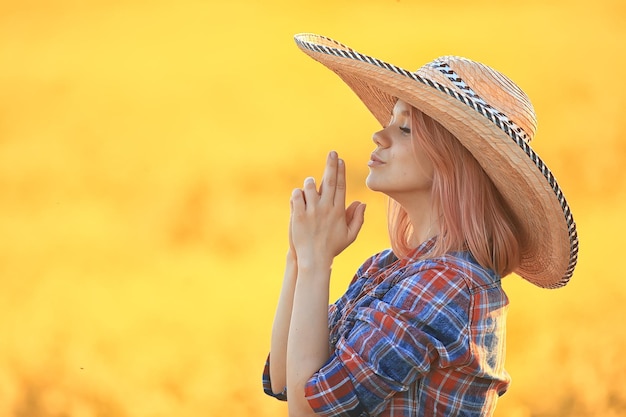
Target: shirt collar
x=420 y=251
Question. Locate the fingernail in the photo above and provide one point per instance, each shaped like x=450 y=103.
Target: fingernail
x=340 y=161
x=333 y=154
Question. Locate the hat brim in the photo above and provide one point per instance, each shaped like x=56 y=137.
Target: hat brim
x=522 y=178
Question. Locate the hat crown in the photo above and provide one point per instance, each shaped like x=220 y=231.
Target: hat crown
x=487 y=87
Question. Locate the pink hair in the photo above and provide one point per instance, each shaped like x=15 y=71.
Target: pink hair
x=473 y=214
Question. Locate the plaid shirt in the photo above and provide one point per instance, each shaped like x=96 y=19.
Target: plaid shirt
x=413 y=338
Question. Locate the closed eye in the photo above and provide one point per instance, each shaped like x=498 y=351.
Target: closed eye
x=405 y=130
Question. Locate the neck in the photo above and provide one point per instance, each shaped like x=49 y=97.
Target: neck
x=424 y=218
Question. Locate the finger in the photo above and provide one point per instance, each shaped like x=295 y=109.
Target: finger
x=356 y=222
x=310 y=192
x=297 y=202
x=340 y=192
x=329 y=180
x=350 y=211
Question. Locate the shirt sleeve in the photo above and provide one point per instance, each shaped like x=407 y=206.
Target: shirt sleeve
x=377 y=261
x=421 y=323
x=267 y=383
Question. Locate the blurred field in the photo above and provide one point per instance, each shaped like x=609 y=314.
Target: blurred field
x=147 y=153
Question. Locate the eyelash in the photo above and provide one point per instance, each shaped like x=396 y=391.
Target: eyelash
x=404 y=130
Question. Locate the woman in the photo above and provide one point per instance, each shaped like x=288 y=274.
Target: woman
x=420 y=329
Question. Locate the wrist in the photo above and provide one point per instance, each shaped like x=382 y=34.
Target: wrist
x=314 y=263
x=291 y=257
x=291 y=267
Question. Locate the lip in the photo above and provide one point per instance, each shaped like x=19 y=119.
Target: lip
x=375 y=161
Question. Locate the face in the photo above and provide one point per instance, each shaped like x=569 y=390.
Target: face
x=398 y=167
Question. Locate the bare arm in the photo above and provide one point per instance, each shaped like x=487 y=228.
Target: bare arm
x=322 y=228
x=307 y=347
x=280 y=329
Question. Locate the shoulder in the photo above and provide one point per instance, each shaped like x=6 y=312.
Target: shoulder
x=457 y=269
x=452 y=278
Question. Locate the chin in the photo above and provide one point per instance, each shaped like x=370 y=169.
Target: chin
x=372 y=185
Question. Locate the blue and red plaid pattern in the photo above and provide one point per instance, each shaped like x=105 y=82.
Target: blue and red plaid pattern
x=413 y=338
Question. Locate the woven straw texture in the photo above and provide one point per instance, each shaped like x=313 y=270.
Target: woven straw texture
x=493 y=119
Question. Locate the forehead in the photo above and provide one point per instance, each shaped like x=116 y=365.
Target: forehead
x=401 y=107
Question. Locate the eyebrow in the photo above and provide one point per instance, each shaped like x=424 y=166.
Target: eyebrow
x=402 y=113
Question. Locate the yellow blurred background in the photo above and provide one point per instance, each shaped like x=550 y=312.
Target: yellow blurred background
x=147 y=154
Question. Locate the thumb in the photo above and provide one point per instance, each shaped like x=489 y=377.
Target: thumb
x=356 y=221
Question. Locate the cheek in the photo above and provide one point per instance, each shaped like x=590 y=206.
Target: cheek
x=417 y=172
x=423 y=165
x=409 y=167
x=429 y=168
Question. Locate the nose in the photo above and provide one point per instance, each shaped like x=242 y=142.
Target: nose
x=381 y=139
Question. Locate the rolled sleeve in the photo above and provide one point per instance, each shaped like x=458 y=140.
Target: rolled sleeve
x=330 y=392
x=267 y=383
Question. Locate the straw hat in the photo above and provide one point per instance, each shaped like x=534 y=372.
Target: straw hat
x=493 y=119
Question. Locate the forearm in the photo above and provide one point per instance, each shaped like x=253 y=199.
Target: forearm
x=280 y=329
x=307 y=348
x=322 y=227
